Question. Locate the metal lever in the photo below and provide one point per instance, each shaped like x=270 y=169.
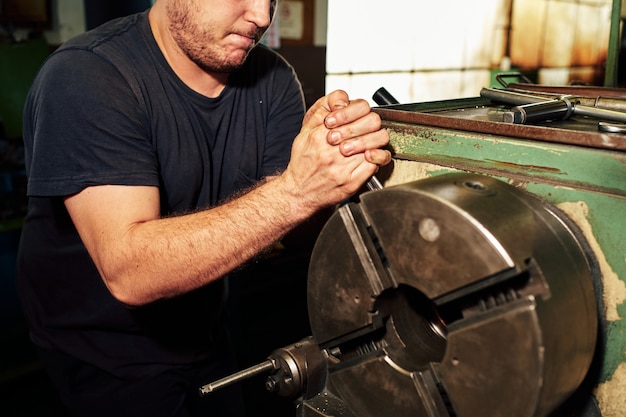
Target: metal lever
x=540 y=112
x=267 y=366
x=384 y=97
x=374 y=184
x=380 y=97
x=294 y=369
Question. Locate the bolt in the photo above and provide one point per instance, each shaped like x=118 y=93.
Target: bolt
x=272 y=384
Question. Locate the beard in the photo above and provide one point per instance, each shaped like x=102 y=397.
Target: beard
x=201 y=45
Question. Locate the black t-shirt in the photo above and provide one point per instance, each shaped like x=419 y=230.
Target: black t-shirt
x=106 y=108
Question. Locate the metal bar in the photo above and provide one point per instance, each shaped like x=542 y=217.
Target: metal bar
x=599 y=101
x=374 y=184
x=517 y=99
x=266 y=366
x=510 y=97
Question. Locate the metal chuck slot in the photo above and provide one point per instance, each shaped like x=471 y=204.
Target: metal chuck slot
x=410 y=333
x=486 y=295
x=367 y=246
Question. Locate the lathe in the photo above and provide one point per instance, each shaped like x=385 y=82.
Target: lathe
x=485 y=279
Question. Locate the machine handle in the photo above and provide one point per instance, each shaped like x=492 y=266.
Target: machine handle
x=267 y=366
x=539 y=112
x=383 y=97
x=380 y=97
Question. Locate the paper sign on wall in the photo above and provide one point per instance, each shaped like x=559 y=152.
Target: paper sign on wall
x=291 y=19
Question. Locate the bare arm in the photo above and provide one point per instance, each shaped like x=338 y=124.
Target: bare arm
x=143 y=257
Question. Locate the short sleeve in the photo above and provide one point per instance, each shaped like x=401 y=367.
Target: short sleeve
x=83 y=129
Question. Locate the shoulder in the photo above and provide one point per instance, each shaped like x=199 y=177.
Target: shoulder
x=114 y=55
x=118 y=43
x=93 y=72
x=115 y=31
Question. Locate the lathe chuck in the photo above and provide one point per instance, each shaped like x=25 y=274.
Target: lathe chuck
x=459 y=295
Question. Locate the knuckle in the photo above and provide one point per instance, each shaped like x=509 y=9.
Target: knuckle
x=374 y=119
x=361 y=103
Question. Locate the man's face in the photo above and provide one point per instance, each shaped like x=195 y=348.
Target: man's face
x=218 y=34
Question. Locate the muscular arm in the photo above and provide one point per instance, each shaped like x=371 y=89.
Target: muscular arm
x=143 y=257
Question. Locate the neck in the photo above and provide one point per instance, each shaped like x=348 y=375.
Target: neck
x=201 y=81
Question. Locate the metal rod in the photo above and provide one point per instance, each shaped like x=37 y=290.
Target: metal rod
x=510 y=97
x=374 y=184
x=268 y=365
x=601 y=102
x=517 y=99
x=381 y=97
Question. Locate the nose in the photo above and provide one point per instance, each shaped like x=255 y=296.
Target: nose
x=260 y=12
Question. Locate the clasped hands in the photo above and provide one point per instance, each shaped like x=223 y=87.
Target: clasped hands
x=338 y=149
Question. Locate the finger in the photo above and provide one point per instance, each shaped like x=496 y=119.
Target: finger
x=347 y=114
x=374 y=140
x=314 y=116
x=363 y=172
x=338 y=100
x=323 y=106
x=380 y=157
x=365 y=125
x=317 y=113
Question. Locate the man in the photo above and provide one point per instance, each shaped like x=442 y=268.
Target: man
x=165 y=150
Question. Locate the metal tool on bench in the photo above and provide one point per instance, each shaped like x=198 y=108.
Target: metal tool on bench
x=530 y=108
x=597 y=101
x=453 y=296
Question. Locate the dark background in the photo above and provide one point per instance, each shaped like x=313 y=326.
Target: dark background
x=269 y=298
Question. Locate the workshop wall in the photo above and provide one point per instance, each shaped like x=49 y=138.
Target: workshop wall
x=422 y=51
x=69 y=21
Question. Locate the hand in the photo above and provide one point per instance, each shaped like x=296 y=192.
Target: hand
x=337 y=150
x=344 y=134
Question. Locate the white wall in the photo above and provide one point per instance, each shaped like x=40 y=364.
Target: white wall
x=424 y=50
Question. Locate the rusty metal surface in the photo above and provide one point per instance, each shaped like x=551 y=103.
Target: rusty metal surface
x=481 y=116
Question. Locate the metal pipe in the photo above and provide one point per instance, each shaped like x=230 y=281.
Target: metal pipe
x=601 y=102
x=517 y=99
x=268 y=365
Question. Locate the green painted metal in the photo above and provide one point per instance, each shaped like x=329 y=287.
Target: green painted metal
x=563 y=175
x=571 y=166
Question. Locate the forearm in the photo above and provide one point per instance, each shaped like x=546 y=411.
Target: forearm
x=164 y=257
